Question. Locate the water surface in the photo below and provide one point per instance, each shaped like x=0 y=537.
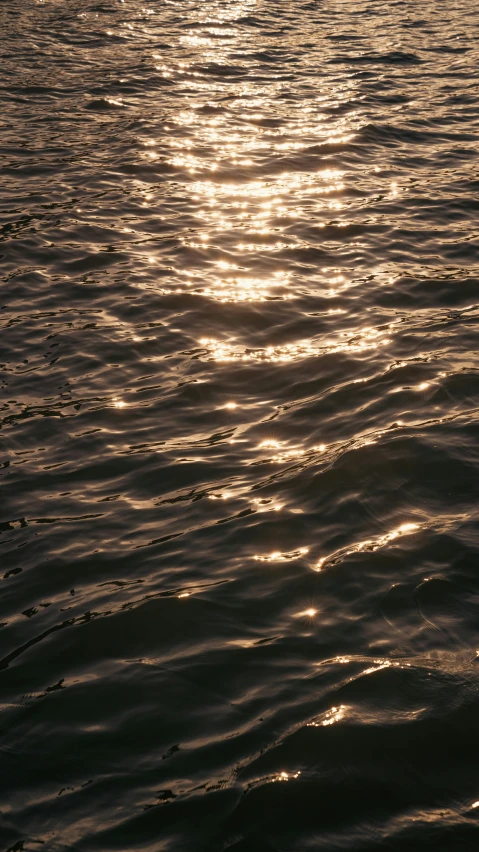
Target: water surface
x=238 y=443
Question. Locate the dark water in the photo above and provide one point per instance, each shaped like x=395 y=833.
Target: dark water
x=239 y=395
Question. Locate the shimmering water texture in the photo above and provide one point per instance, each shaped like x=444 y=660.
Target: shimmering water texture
x=239 y=395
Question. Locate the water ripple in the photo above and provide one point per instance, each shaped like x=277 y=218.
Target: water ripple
x=238 y=442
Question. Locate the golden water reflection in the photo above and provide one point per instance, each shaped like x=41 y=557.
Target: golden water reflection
x=286 y=453
x=282 y=556
x=238 y=146
x=370 y=544
x=287 y=776
x=335 y=714
x=307 y=613
x=228 y=351
x=241 y=288
x=262 y=208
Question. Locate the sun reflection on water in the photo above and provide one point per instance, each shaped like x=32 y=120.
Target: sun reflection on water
x=363 y=339
x=307 y=613
x=287 y=776
x=336 y=714
x=246 y=184
x=285 y=556
x=286 y=453
x=244 y=289
x=370 y=544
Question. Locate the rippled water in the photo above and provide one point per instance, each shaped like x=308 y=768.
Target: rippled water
x=239 y=449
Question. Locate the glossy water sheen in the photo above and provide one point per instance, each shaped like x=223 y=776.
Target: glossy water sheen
x=240 y=601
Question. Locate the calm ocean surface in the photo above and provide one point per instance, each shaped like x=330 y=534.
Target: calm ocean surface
x=239 y=451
